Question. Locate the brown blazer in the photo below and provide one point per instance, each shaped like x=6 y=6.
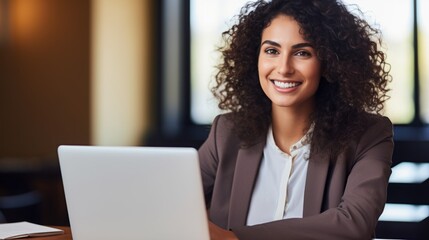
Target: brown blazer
x=344 y=197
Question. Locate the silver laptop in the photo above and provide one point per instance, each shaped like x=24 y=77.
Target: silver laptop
x=133 y=193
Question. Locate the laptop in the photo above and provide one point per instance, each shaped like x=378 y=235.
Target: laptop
x=133 y=192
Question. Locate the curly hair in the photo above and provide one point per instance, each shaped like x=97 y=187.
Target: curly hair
x=354 y=72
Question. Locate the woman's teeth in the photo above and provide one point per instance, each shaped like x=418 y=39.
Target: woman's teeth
x=285 y=84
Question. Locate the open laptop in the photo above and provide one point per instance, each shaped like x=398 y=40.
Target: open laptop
x=133 y=192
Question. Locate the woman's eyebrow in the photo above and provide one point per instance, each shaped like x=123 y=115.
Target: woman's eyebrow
x=269 y=42
x=302 y=45
x=295 y=46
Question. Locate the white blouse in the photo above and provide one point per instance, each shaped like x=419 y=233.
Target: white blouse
x=279 y=188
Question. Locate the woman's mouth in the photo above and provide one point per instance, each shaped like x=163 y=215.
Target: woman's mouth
x=285 y=85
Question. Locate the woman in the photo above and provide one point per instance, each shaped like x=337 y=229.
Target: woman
x=304 y=152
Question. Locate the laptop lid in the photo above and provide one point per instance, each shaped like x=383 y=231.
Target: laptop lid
x=133 y=192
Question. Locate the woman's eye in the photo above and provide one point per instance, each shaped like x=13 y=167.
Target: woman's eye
x=303 y=54
x=271 y=51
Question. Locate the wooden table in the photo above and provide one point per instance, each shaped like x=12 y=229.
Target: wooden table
x=66 y=236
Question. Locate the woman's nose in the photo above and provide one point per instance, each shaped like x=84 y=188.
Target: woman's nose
x=285 y=66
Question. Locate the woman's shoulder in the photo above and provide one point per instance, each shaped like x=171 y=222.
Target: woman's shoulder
x=377 y=121
x=222 y=136
x=223 y=124
x=378 y=129
x=223 y=129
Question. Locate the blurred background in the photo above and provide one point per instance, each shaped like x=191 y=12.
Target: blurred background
x=138 y=72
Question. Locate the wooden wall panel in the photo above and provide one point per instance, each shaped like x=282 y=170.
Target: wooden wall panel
x=44 y=77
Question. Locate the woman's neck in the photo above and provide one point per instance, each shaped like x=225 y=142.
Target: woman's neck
x=289 y=125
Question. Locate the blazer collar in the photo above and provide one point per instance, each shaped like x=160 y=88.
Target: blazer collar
x=246 y=171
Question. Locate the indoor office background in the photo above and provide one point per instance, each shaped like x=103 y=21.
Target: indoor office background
x=137 y=72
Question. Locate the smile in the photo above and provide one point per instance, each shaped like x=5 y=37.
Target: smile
x=285 y=85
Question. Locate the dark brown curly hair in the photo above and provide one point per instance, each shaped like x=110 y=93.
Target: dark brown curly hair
x=354 y=80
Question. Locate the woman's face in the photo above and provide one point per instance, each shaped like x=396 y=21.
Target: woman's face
x=289 y=70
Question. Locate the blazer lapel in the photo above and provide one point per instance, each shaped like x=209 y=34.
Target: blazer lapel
x=315 y=184
x=246 y=170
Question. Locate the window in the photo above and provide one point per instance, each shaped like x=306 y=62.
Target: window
x=209 y=18
x=423 y=47
x=397 y=28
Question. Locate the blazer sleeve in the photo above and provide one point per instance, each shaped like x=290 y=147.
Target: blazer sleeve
x=209 y=162
x=361 y=204
x=214 y=171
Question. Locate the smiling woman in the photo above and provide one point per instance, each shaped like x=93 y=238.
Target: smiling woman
x=303 y=152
